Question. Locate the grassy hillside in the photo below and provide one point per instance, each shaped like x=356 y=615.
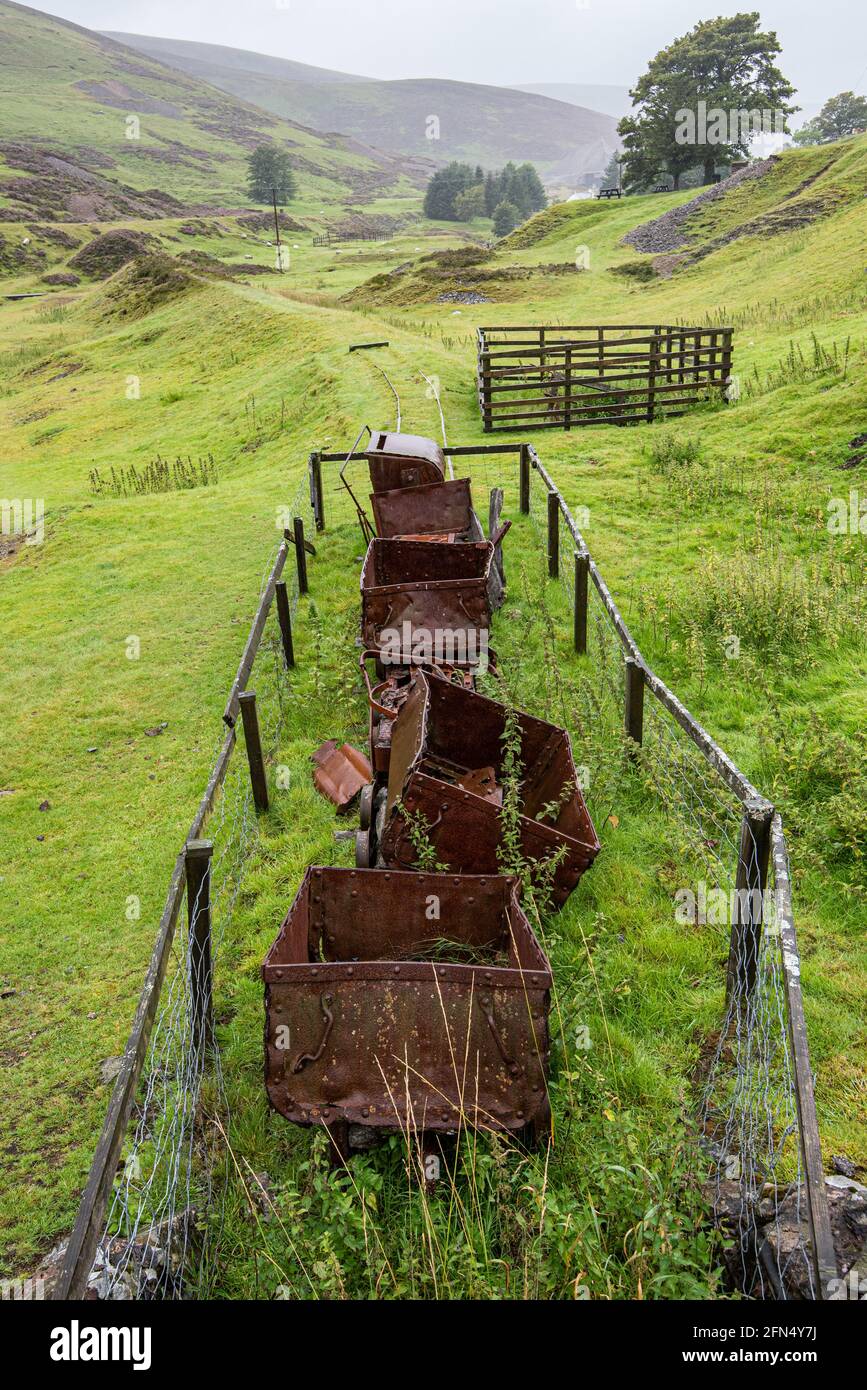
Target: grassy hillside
x=480 y=124
x=711 y=525
x=65 y=139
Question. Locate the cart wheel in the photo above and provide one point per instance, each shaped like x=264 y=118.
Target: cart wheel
x=363 y=856
x=365 y=806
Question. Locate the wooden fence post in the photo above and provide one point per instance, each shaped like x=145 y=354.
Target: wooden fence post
x=524 y=485
x=726 y=359
x=750 y=883
x=567 y=403
x=259 y=782
x=651 y=375
x=317 y=496
x=284 y=617
x=300 y=555
x=553 y=535
x=633 y=712
x=485 y=369
x=199 y=854
x=582 y=574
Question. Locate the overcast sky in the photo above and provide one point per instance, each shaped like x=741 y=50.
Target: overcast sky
x=495 y=41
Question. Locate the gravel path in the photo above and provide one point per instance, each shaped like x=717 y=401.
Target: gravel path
x=668 y=232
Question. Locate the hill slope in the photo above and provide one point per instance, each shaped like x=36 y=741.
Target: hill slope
x=100 y=116
x=481 y=124
x=614 y=101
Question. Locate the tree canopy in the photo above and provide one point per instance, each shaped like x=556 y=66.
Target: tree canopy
x=459 y=192
x=841 y=115
x=270 y=171
x=718 y=73
x=506 y=218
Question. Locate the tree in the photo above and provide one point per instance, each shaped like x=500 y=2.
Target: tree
x=841 y=115
x=611 y=172
x=444 y=188
x=506 y=218
x=703 y=99
x=270 y=168
x=531 y=196
x=471 y=203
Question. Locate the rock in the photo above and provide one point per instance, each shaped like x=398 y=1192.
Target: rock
x=669 y=232
x=45 y=806
x=150 y=1268
x=843 y=1165
x=840 y=1183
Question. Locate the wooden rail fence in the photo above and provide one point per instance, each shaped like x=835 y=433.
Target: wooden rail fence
x=615 y=374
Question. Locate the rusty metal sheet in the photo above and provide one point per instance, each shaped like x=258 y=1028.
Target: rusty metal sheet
x=423 y=603
x=433 y=508
x=340 y=772
x=403 y=460
x=443 y=735
x=370 y=996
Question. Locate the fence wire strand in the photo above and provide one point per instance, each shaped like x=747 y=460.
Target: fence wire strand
x=167 y=1206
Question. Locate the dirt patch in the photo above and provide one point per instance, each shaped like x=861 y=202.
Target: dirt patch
x=68 y=187
x=118 y=94
x=857 y=452
x=106 y=254
x=264 y=222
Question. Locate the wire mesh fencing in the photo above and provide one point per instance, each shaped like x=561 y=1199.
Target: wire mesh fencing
x=756 y=1116
x=166 y=1206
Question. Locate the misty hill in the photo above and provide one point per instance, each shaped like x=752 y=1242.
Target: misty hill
x=90 y=129
x=613 y=101
x=479 y=124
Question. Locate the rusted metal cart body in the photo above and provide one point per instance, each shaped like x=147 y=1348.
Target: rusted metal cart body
x=429 y=600
x=404 y=1001
x=403 y=460
x=431 y=509
x=445 y=769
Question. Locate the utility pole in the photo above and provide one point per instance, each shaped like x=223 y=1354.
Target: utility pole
x=277 y=231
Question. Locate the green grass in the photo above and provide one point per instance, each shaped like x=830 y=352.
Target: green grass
x=694 y=538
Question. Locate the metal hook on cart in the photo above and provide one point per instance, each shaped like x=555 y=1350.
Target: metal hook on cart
x=367 y=529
